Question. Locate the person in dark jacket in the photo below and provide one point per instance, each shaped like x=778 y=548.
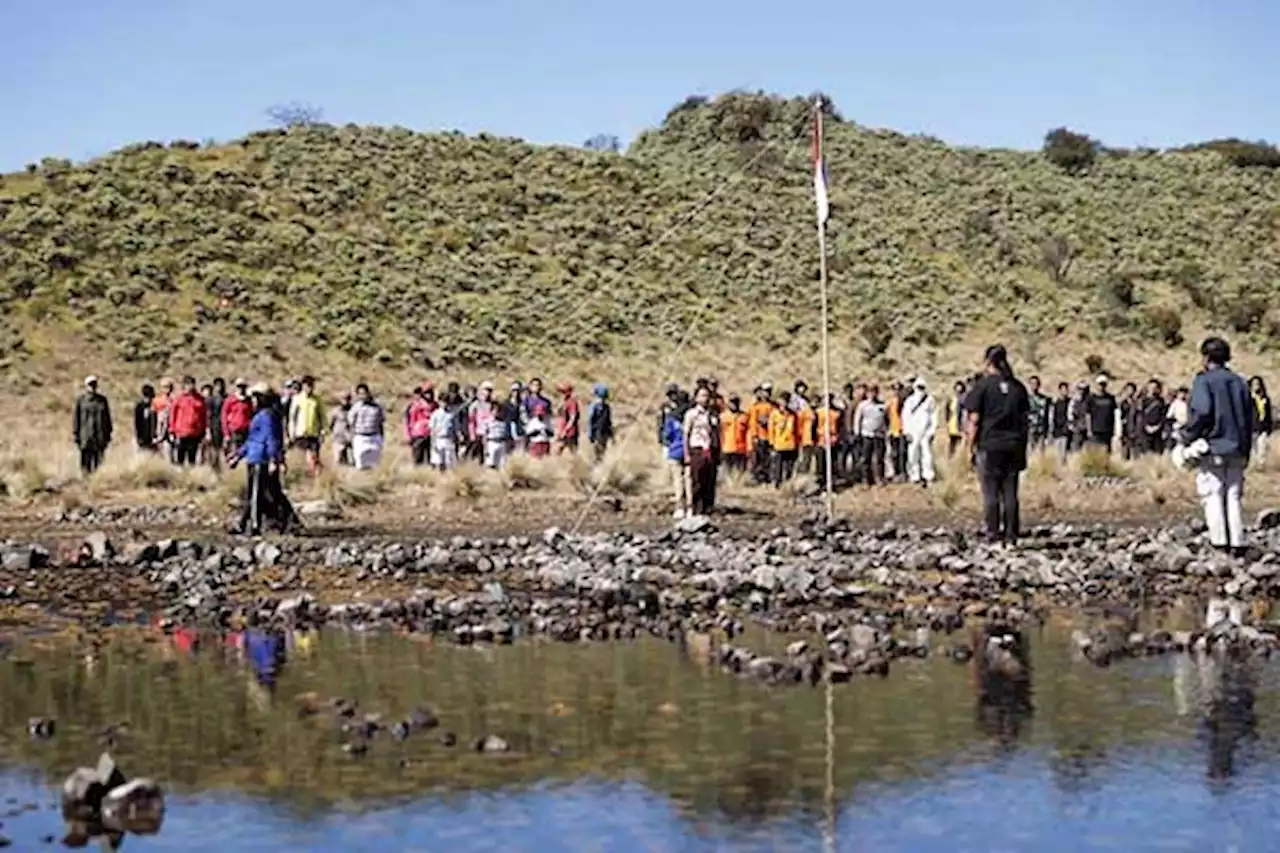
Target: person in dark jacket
x=600 y=422
x=264 y=453
x=1264 y=420
x=1220 y=414
x=1060 y=419
x=92 y=426
x=146 y=425
x=1152 y=415
x=1101 y=411
x=997 y=412
x=1128 y=409
x=1039 y=427
x=215 y=399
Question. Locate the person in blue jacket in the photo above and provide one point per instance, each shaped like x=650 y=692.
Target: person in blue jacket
x=263 y=452
x=672 y=435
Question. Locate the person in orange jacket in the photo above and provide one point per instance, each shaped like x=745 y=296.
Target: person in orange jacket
x=896 y=455
x=827 y=434
x=805 y=425
x=784 y=440
x=734 y=427
x=758 y=433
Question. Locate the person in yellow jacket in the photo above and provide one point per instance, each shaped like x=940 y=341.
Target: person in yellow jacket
x=734 y=429
x=306 y=423
x=784 y=441
x=758 y=433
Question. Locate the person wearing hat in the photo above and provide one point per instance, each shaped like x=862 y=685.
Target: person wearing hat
x=568 y=420
x=306 y=423
x=263 y=454
x=92 y=426
x=368 y=421
x=237 y=414
x=920 y=425
x=1103 y=410
x=1220 y=413
x=997 y=412
x=600 y=421
x=417 y=423
x=758 y=416
x=144 y=421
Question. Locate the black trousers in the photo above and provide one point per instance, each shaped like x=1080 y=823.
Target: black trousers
x=898 y=445
x=1102 y=441
x=872 y=461
x=188 y=451
x=761 y=461
x=784 y=466
x=90 y=458
x=265 y=501
x=999 y=472
x=421 y=450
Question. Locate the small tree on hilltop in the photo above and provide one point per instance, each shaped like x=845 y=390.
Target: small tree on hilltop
x=295 y=114
x=1070 y=151
x=603 y=142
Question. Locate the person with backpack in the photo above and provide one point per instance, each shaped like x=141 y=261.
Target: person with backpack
x=600 y=421
x=998 y=412
x=1219 y=430
x=92 y=426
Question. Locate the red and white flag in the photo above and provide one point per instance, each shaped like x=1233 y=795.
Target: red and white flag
x=819 y=167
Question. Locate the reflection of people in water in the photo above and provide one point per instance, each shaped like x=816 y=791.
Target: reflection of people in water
x=1219 y=685
x=1002 y=681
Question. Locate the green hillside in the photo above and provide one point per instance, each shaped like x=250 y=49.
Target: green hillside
x=451 y=250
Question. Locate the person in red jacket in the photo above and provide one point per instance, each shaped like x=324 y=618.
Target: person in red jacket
x=569 y=421
x=417 y=422
x=237 y=412
x=188 y=421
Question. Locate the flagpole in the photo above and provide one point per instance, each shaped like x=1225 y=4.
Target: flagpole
x=826 y=353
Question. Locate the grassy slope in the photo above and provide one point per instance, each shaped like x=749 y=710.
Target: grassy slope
x=375 y=244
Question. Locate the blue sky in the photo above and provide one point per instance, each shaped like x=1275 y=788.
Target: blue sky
x=81 y=77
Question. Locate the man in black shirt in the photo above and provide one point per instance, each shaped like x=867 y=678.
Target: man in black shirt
x=1151 y=419
x=1102 y=416
x=1059 y=419
x=997 y=412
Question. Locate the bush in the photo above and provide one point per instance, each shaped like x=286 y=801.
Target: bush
x=877 y=335
x=1072 y=152
x=1166 y=322
x=1238 y=152
x=1094 y=364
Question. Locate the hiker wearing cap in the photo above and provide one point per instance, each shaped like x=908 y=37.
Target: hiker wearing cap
x=92 y=426
x=700 y=435
x=306 y=423
x=417 y=423
x=144 y=421
x=920 y=425
x=568 y=420
x=758 y=431
x=997 y=429
x=1039 y=426
x=368 y=421
x=237 y=414
x=263 y=454
x=600 y=421
x=285 y=403
x=1220 y=414
x=1102 y=411
x=734 y=427
x=188 y=421
x=444 y=431
x=340 y=432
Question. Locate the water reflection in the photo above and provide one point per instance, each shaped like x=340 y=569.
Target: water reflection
x=630 y=747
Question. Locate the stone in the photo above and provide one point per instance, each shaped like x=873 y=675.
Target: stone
x=100 y=546
x=695 y=524
x=136 y=807
x=318 y=510
x=863 y=637
x=492 y=744
x=1268 y=519
x=266 y=554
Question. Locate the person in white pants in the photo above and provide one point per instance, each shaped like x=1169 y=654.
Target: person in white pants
x=920 y=424
x=1220 y=414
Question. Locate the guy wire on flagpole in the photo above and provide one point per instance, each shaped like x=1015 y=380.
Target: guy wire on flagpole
x=820 y=163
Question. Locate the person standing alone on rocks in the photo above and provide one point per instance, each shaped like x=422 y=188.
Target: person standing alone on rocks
x=701 y=439
x=368 y=424
x=188 y=422
x=919 y=424
x=92 y=426
x=997 y=411
x=1221 y=414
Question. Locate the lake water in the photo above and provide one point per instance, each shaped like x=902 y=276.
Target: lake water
x=632 y=748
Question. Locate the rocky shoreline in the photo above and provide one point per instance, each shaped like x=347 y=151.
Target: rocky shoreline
x=858 y=599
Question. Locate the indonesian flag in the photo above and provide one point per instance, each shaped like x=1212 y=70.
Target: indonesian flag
x=819 y=167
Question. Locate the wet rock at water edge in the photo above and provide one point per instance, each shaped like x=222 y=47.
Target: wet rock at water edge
x=448 y=739
x=41 y=728
x=136 y=807
x=491 y=744
x=1268 y=519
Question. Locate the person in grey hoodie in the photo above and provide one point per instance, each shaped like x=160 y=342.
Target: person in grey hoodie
x=1220 y=414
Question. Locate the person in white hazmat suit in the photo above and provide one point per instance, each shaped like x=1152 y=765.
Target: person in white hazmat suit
x=919 y=424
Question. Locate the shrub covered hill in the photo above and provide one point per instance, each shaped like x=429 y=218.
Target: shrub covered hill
x=437 y=248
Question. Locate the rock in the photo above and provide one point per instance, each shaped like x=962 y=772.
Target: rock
x=318 y=511
x=41 y=728
x=863 y=637
x=23 y=558
x=695 y=524
x=266 y=554
x=100 y=547
x=82 y=794
x=136 y=807
x=1268 y=519
x=492 y=744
